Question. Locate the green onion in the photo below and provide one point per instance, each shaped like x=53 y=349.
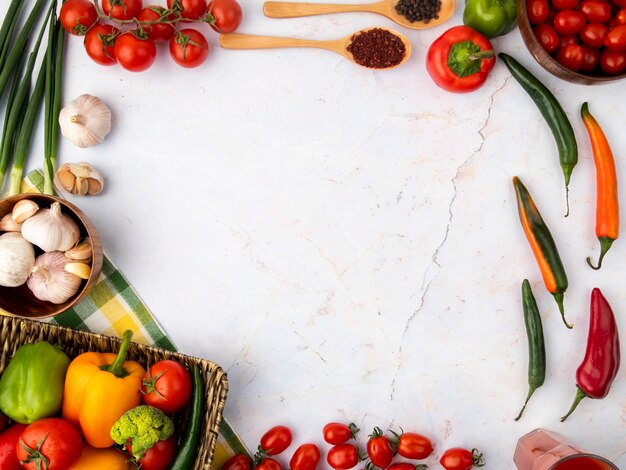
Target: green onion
x=48 y=168
x=58 y=96
x=4 y=158
x=8 y=25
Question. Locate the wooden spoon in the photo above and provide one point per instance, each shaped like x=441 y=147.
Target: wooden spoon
x=384 y=7
x=340 y=46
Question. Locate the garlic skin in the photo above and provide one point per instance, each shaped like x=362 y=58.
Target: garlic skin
x=85 y=121
x=79 y=179
x=51 y=230
x=50 y=281
x=17 y=258
x=7 y=224
x=23 y=210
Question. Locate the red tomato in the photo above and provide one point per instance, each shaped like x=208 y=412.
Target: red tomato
x=593 y=34
x=121 y=9
x=568 y=39
x=616 y=39
x=8 y=447
x=159 y=456
x=405 y=466
x=189 y=48
x=77 y=16
x=414 y=446
x=343 y=457
x=461 y=459
x=99 y=44
x=379 y=449
x=134 y=54
x=569 y=22
x=52 y=439
x=338 y=433
x=268 y=464
x=238 y=462
x=4 y=420
x=226 y=15
x=306 y=457
x=166 y=386
x=571 y=56
x=189 y=9
x=595 y=11
x=591 y=59
x=620 y=17
x=547 y=37
x=276 y=440
x=612 y=62
x=564 y=4
x=158 y=32
x=620 y=3
x=538 y=11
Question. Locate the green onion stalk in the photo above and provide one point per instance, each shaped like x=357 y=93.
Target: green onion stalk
x=7 y=28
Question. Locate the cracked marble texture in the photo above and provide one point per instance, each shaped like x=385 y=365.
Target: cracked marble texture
x=345 y=242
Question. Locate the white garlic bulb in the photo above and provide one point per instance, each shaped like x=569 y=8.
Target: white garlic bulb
x=86 y=121
x=17 y=258
x=7 y=224
x=50 y=281
x=51 y=230
x=79 y=179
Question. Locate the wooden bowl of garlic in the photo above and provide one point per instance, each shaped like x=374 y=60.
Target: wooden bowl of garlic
x=50 y=255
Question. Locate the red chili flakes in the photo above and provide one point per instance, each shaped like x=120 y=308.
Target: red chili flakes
x=377 y=48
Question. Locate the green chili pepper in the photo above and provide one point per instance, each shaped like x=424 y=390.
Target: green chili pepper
x=31 y=387
x=554 y=115
x=536 y=345
x=490 y=17
x=189 y=443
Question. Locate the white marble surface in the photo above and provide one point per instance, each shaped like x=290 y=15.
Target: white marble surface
x=345 y=242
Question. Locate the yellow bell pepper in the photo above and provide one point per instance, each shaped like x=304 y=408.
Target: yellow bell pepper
x=99 y=388
x=101 y=459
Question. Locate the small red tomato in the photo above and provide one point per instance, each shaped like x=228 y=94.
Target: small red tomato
x=620 y=17
x=620 y=3
x=133 y=53
x=379 y=449
x=568 y=22
x=4 y=421
x=166 y=386
x=50 y=443
x=338 y=433
x=616 y=39
x=121 y=9
x=8 y=447
x=159 y=456
x=591 y=59
x=593 y=34
x=189 y=48
x=564 y=4
x=238 y=462
x=276 y=440
x=189 y=9
x=571 y=56
x=77 y=16
x=612 y=62
x=547 y=37
x=568 y=39
x=158 y=32
x=268 y=464
x=595 y=11
x=343 y=457
x=405 y=466
x=226 y=15
x=306 y=457
x=538 y=11
x=100 y=44
x=414 y=446
x=461 y=459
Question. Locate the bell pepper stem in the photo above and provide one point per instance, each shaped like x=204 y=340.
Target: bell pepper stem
x=579 y=396
x=605 y=245
x=530 y=394
x=481 y=55
x=117 y=367
x=559 y=302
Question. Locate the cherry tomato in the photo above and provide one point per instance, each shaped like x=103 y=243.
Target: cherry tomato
x=620 y=17
x=4 y=420
x=100 y=44
x=564 y=4
x=226 y=15
x=121 y=9
x=414 y=446
x=189 y=48
x=620 y=3
x=338 y=433
x=77 y=16
x=591 y=59
x=343 y=457
x=238 y=462
x=616 y=39
x=547 y=37
x=569 y=22
x=571 y=56
x=306 y=457
x=189 y=9
x=133 y=53
x=51 y=440
x=379 y=449
x=166 y=386
x=8 y=447
x=593 y=34
x=568 y=39
x=461 y=459
x=538 y=11
x=612 y=62
x=403 y=466
x=159 y=456
x=595 y=11
x=276 y=440
x=158 y=32
x=268 y=464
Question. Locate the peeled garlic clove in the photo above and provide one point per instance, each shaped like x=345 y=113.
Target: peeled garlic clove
x=17 y=258
x=50 y=282
x=81 y=270
x=7 y=224
x=51 y=230
x=79 y=179
x=23 y=210
x=81 y=252
x=86 y=121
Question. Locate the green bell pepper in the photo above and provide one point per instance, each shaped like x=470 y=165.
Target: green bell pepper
x=490 y=17
x=31 y=387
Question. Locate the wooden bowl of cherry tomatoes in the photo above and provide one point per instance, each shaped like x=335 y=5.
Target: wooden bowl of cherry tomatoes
x=580 y=41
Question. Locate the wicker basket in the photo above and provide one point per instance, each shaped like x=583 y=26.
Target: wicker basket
x=16 y=332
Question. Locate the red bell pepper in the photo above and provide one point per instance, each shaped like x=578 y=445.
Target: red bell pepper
x=460 y=60
x=596 y=373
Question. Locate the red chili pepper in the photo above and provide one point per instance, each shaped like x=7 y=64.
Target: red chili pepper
x=460 y=60
x=596 y=373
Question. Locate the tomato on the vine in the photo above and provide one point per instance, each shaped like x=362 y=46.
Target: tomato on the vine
x=338 y=433
x=593 y=34
x=268 y=464
x=167 y=386
x=612 y=62
x=537 y=10
x=189 y=48
x=100 y=44
x=547 y=37
x=616 y=39
x=159 y=456
x=51 y=441
x=77 y=16
x=122 y=9
x=226 y=15
x=238 y=462
x=379 y=449
x=158 y=32
x=595 y=11
x=189 y=9
x=306 y=457
x=571 y=56
x=343 y=457
x=413 y=446
x=276 y=440
x=591 y=59
x=461 y=459
x=568 y=22
x=133 y=53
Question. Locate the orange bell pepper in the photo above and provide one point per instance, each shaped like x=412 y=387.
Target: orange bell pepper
x=99 y=388
x=101 y=459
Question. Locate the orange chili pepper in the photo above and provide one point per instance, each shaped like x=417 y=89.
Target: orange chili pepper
x=607 y=203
